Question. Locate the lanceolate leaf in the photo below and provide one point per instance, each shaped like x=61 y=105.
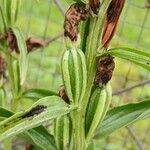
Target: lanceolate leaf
x=39 y=136
x=139 y=57
x=5 y=113
x=35 y=94
x=122 y=116
x=11 y=10
x=45 y=109
x=23 y=58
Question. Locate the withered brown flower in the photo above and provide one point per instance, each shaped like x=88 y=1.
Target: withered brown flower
x=12 y=42
x=34 y=43
x=73 y=16
x=105 y=68
x=31 y=42
x=112 y=16
x=62 y=94
x=94 y=6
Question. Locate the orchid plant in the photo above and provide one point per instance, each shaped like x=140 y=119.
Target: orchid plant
x=79 y=113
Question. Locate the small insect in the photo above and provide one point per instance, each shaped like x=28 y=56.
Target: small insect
x=35 y=111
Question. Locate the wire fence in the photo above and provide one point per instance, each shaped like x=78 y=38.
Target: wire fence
x=130 y=83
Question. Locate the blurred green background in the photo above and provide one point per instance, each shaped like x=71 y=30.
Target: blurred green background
x=44 y=19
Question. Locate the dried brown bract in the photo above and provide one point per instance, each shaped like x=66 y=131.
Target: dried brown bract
x=73 y=16
x=94 y=5
x=62 y=94
x=30 y=42
x=105 y=68
x=2 y=67
x=113 y=13
x=12 y=42
x=34 y=43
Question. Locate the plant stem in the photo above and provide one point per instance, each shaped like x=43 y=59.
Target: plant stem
x=78 y=131
x=16 y=89
x=96 y=26
x=3 y=96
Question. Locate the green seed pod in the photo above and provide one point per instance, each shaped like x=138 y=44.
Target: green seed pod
x=108 y=89
x=62 y=131
x=95 y=110
x=74 y=74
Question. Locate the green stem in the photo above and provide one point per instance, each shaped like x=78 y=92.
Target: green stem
x=92 y=44
x=77 y=131
x=96 y=26
x=16 y=89
x=2 y=96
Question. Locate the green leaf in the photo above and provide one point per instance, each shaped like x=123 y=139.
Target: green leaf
x=39 y=136
x=3 y=16
x=35 y=94
x=23 y=57
x=139 y=57
x=2 y=96
x=5 y=113
x=122 y=116
x=10 y=10
x=43 y=110
x=17 y=9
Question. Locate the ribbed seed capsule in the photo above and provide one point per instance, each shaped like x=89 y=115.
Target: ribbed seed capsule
x=74 y=74
x=95 y=110
x=62 y=132
x=108 y=100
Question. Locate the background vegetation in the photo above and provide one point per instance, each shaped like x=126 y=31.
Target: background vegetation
x=44 y=19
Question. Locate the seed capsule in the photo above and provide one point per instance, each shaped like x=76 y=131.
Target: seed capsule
x=95 y=110
x=74 y=74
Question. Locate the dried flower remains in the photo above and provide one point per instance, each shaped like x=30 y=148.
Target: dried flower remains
x=112 y=16
x=94 y=6
x=105 y=68
x=73 y=16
